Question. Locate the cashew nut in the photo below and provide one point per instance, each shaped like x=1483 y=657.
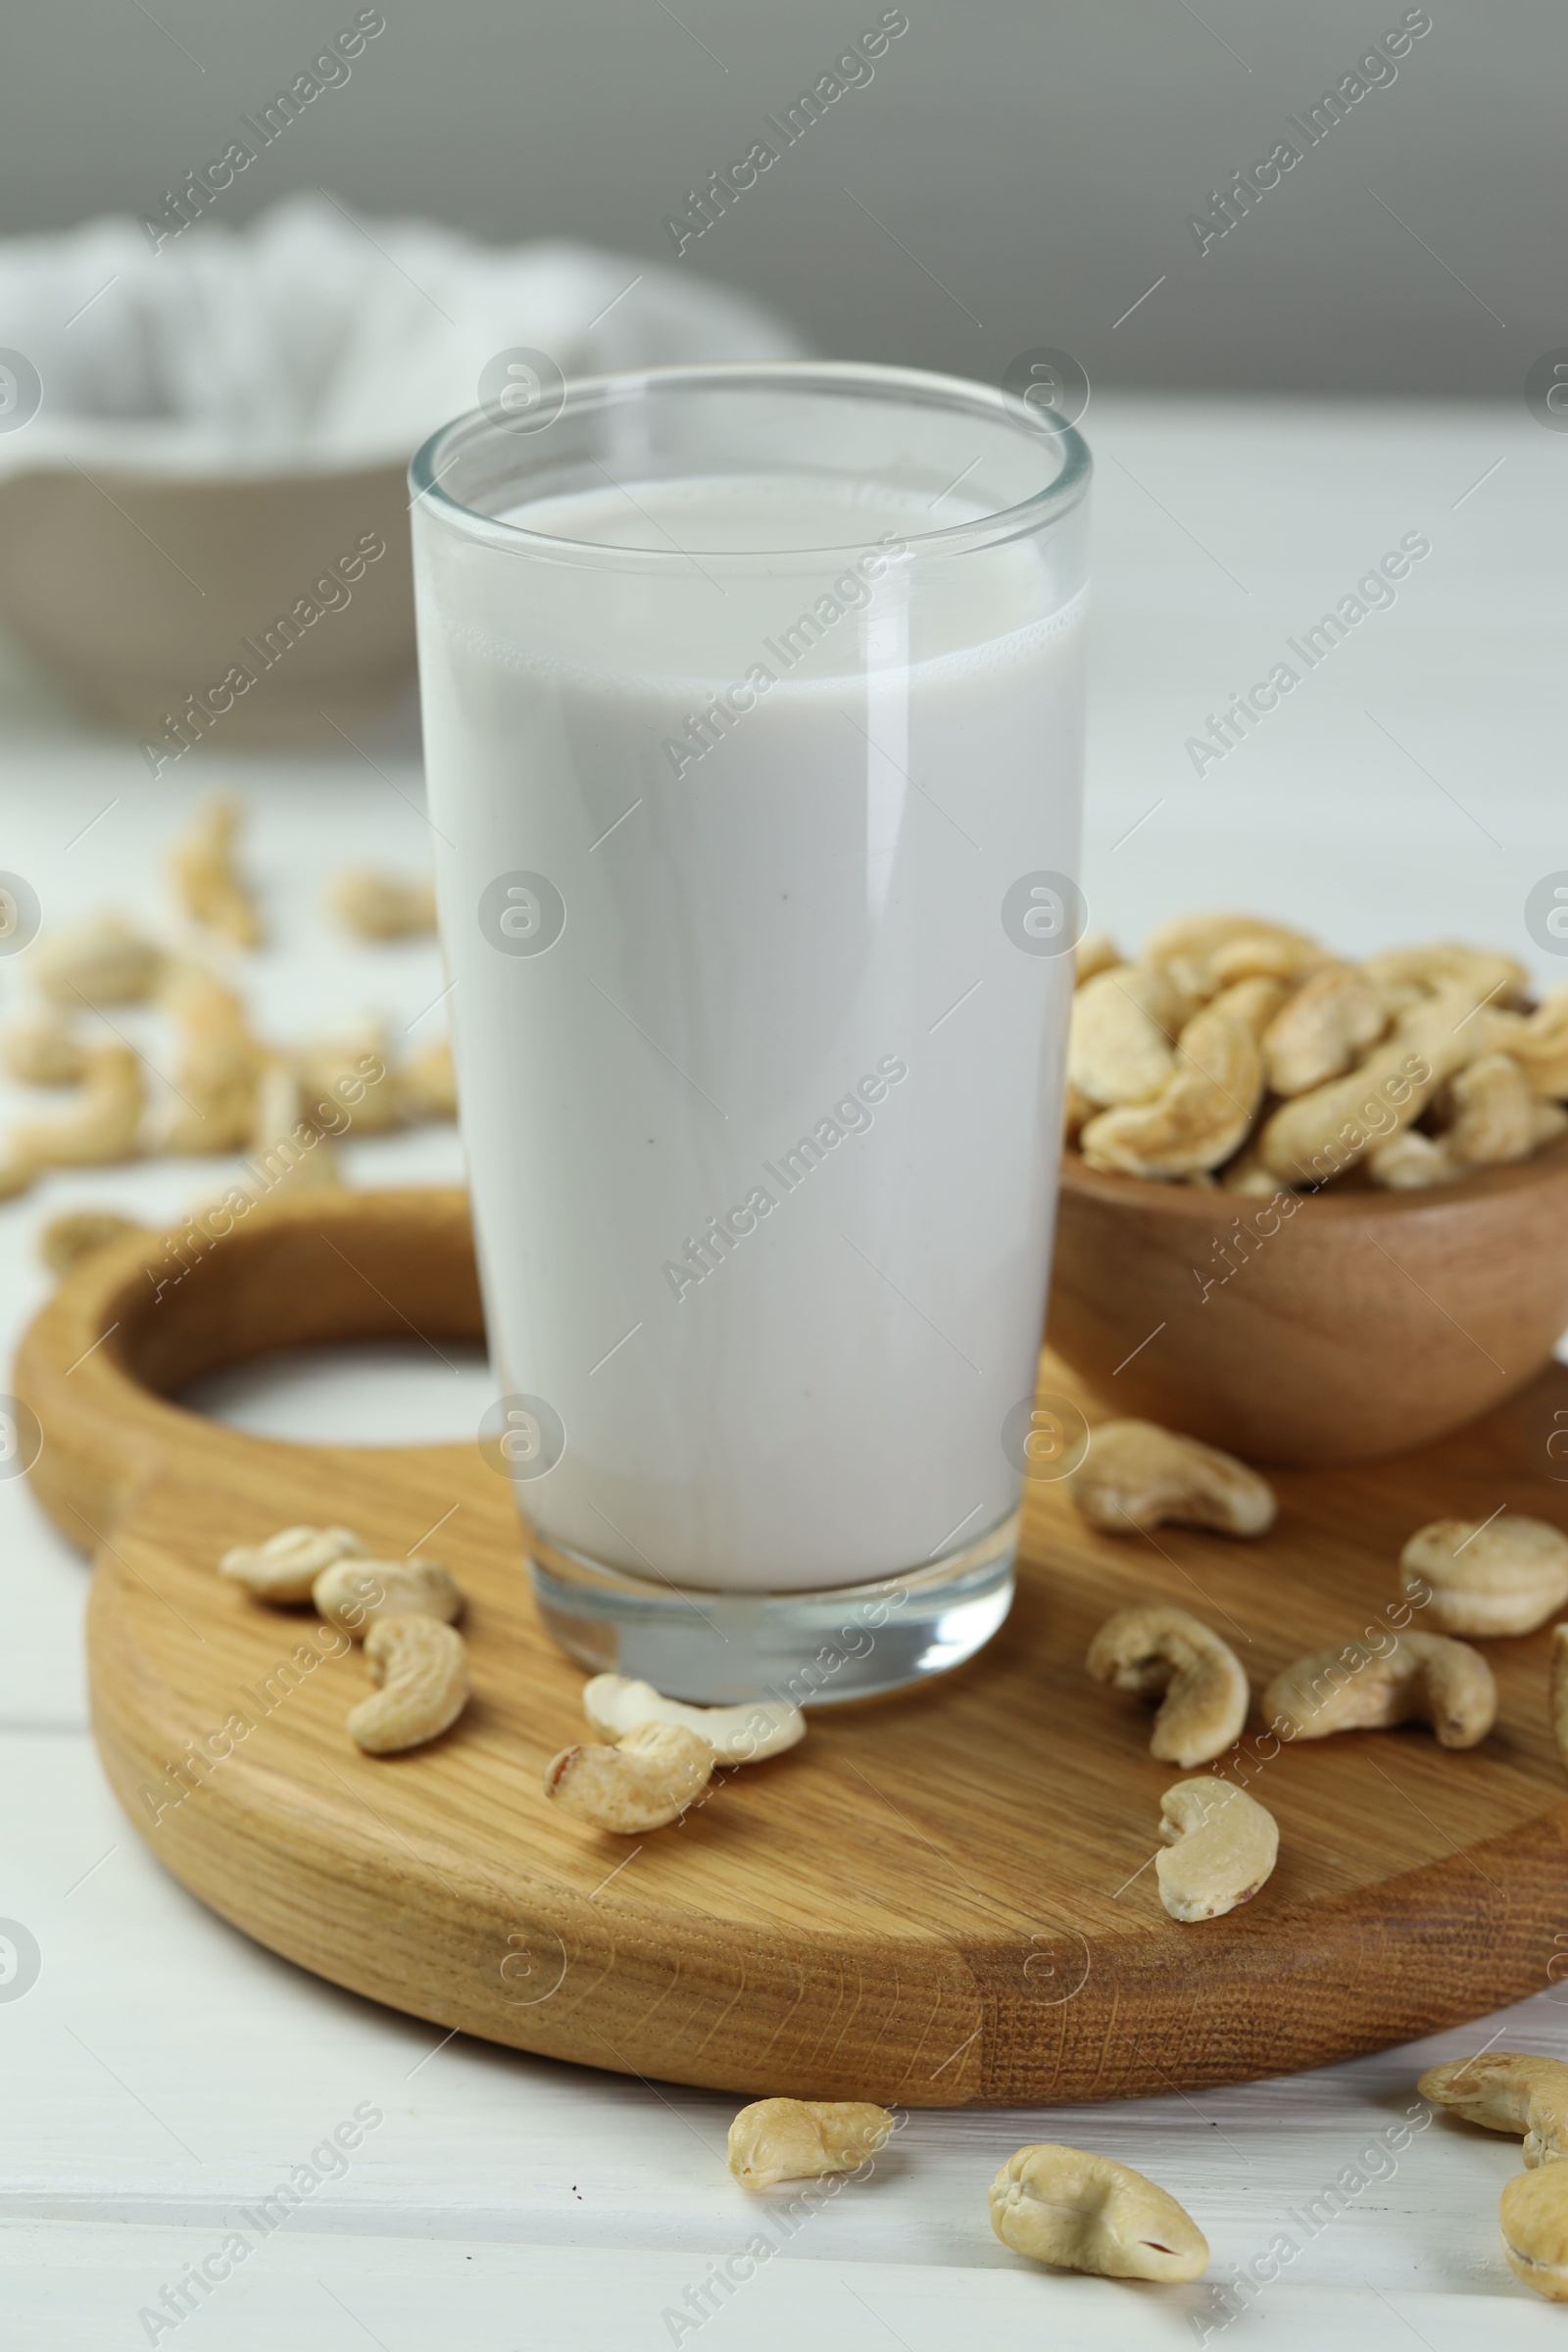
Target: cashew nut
x=422 y=1668
x=286 y=1566
x=1246 y=1174
x=646 y=1780
x=738 y=1735
x=1271 y=955
x=101 y=962
x=1165 y=1653
x=1120 y=1043
x=351 y=1072
x=206 y=879
x=1097 y=951
x=215 y=1077
x=66 y=1239
x=1136 y=1474
x=287 y=1149
x=378 y=906
x=1497 y=1576
x=1506 y=2092
x=426 y=1084
x=1490 y=1113
x=353 y=1593
x=1538 y=1041
x=1221 y=1844
x=41 y=1048
x=1080 y=2212
x=1533 y=2217
x=104 y=1125
x=1325 y=1027
x=801 y=2140
x=1403 y=976
x=1409 y=1162
x=1203 y=1110
x=1421 y=1678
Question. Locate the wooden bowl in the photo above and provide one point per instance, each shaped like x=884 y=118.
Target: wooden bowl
x=1333 y=1327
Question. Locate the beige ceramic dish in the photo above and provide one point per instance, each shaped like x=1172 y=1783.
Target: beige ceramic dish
x=138 y=592
x=1337 y=1327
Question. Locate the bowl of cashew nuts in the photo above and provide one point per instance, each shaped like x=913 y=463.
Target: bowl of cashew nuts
x=1312 y=1210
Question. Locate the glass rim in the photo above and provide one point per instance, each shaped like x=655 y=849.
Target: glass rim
x=589 y=394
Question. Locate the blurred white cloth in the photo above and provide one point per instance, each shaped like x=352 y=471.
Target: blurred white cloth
x=311 y=338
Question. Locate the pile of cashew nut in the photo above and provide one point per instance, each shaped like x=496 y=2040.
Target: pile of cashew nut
x=225 y=1090
x=1238 y=1053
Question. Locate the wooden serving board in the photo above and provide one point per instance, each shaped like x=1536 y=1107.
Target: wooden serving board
x=941 y=1897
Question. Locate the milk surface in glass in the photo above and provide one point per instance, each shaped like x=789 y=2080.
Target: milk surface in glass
x=764 y=1142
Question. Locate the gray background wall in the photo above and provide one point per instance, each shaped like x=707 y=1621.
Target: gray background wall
x=1030 y=164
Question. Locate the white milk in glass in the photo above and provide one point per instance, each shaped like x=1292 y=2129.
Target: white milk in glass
x=763 y=1145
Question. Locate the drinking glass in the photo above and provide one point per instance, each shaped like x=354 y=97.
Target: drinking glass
x=752 y=712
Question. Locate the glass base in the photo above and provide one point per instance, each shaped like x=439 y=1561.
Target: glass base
x=814 y=1648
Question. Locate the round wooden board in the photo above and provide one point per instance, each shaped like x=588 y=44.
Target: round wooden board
x=942 y=1897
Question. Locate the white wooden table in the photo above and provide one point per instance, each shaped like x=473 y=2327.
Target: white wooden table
x=164 y=2072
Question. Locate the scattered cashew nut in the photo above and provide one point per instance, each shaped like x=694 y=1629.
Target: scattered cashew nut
x=104 y=1125
x=379 y=906
x=1165 y=1653
x=206 y=878
x=1220 y=1845
x=218 y=1066
x=100 y=962
x=426 y=1083
x=352 y=1072
x=41 y=1048
x=739 y=1735
x=422 y=1668
x=353 y=1593
x=1499 y=1576
x=1503 y=2092
x=1533 y=2217
x=286 y=1566
x=646 y=1780
x=285 y=1147
x=801 y=2140
x=1423 y=1678
x=1137 y=1475
x=1080 y=2212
